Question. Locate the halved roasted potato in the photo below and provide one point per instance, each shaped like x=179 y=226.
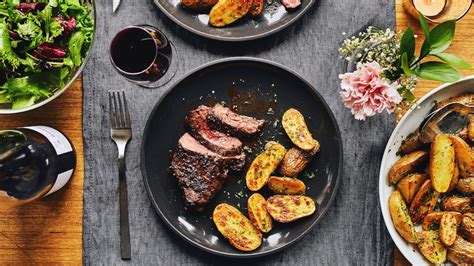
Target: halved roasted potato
x=441 y=162
x=256 y=8
x=470 y=128
x=295 y=127
x=467 y=227
x=264 y=165
x=466 y=185
x=431 y=247
x=464 y=157
x=234 y=226
x=455 y=178
x=409 y=185
x=260 y=218
x=448 y=228
x=199 y=5
x=401 y=219
x=288 y=208
x=226 y=12
x=411 y=143
x=433 y=219
x=286 y=185
x=461 y=252
x=295 y=161
x=458 y=204
x=424 y=202
x=405 y=165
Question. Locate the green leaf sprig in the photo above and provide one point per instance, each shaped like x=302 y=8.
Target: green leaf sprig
x=436 y=42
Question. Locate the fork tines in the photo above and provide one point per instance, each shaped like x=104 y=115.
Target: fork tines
x=119 y=115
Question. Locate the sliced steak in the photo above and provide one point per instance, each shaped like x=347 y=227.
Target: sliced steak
x=214 y=140
x=224 y=119
x=200 y=172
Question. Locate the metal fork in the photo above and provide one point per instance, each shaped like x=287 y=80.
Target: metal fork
x=121 y=133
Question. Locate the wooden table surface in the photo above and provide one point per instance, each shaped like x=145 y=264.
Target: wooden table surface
x=462 y=46
x=50 y=230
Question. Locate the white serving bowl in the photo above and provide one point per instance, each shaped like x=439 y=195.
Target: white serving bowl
x=407 y=125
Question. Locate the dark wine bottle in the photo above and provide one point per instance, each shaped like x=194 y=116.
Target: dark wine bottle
x=34 y=162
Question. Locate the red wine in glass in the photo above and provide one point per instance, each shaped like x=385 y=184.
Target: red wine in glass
x=144 y=55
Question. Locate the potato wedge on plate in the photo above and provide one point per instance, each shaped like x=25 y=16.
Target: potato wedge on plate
x=400 y=218
x=470 y=128
x=234 y=226
x=431 y=247
x=264 y=165
x=433 y=219
x=286 y=185
x=461 y=252
x=295 y=161
x=256 y=8
x=458 y=204
x=424 y=202
x=464 y=157
x=411 y=143
x=226 y=12
x=295 y=127
x=441 y=162
x=286 y=208
x=260 y=218
x=454 y=179
x=405 y=165
x=448 y=228
x=467 y=227
x=466 y=185
x=409 y=185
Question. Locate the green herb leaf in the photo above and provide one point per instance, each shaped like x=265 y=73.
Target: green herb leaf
x=424 y=25
x=453 y=60
x=407 y=44
x=441 y=36
x=438 y=71
x=405 y=67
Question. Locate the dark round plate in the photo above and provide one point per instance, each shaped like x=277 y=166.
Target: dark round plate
x=255 y=87
x=273 y=19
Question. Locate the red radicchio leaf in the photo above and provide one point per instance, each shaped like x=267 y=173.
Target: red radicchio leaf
x=14 y=36
x=26 y=8
x=49 y=51
x=68 y=25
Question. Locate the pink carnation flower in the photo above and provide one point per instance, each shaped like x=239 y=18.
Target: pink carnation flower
x=367 y=92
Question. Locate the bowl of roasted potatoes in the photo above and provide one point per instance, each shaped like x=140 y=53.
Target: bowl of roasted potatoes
x=426 y=182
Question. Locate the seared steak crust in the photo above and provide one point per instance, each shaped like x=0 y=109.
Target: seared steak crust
x=224 y=119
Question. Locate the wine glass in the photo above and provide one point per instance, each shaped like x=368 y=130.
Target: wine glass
x=144 y=55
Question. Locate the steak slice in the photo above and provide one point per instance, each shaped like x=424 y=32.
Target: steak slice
x=200 y=172
x=223 y=118
x=214 y=140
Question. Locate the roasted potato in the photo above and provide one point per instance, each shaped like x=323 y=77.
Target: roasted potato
x=470 y=128
x=286 y=185
x=411 y=143
x=448 y=228
x=431 y=247
x=458 y=204
x=409 y=185
x=260 y=218
x=286 y=208
x=401 y=219
x=433 y=219
x=464 y=99
x=234 y=226
x=256 y=8
x=198 y=5
x=264 y=165
x=424 y=202
x=406 y=165
x=454 y=179
x=464 y=157
x=226 y=12
x=461 y=252
x=466 y=185
x=441 y=162
x=295 y=127
x=295 y=161
x=467 y=227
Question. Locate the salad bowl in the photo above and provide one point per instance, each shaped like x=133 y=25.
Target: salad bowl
x=65 y=81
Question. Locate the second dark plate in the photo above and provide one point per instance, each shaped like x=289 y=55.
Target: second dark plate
x=255 y=87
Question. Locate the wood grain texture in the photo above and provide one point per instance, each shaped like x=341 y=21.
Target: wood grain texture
x=48 y=230
x=462 y=46
x=352 y=232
